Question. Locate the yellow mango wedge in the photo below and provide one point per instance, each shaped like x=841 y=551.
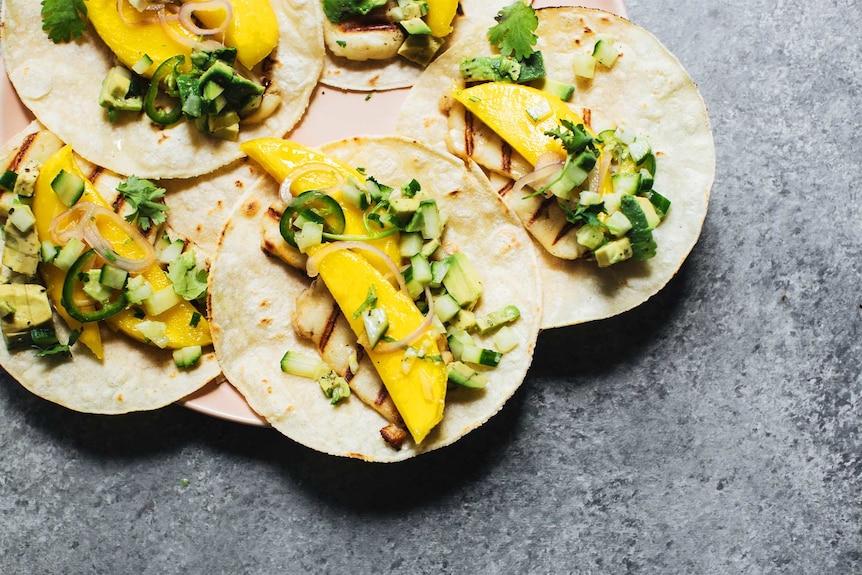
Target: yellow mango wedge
x=419 y=393
x=503 y=107
x=130 y=42
x=46 y=206
x=283 y=159
x=253 y=30
x=440 y=16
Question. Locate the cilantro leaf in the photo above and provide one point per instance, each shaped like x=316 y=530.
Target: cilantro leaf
x=141 y=195
x=64 y=19
x=575 y=139
x=189 y=281
x=583 y=215
x=62 y=350
x=514 y=32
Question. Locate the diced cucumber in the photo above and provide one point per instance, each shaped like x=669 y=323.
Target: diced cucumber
x=462 y=280
x=612 y=202
x=429 y=247
x=113 y=277
x=574 y=173
x=309 y=236
x=540 y=111
x=376 y=323
x=590 y=236
x=69 y=187
x=94 y=288
x=466 y=376
x=438 y=272
x=69 y=253
x=618 y=224
x=647 y=180
x=142 y=65
x=48 y=251
x=154 y=331
x=639 y=150
x=445 y=307
x=410 y=244
x=7 y=180
x=588 y=198
x=457 y=338
x=354 y=193
x=187 y=356
x=480 y=356
x=506 y=339
x=172 y=251
x=562 y=90
x=605 y=52
x=584 y=65
x=138 y=289
x=465 y=320
x=627 y=183
x=661 y=203
x=497 y=319
x=426 y=220
x=295 y=363
x=161 y=301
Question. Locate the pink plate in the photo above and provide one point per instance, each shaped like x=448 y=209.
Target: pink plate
x=332 y=115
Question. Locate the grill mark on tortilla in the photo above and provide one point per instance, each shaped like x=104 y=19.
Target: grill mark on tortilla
x=468 y=133
x=22 y=151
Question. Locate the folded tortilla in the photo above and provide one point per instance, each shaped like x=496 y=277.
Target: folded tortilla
x=132 y=376
x=649 y=92
x=253 y=295
x=60 y=84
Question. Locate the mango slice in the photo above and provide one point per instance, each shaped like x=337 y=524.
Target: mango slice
x=282 y=159
x=46 y=206
x=503 y=107
x=253 y=30
x=419 y=392
x=440 y=16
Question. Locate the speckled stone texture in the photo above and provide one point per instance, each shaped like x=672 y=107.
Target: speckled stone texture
x=713 y=430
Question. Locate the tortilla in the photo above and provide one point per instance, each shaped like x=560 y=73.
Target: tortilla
x=399 y=72
x=60 y=83
x=132 y=376
x=252 y=297
x=648 y=90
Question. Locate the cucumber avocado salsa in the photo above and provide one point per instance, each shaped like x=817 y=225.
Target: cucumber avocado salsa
x=72 y=264
x=412 y=326
x=605 y=151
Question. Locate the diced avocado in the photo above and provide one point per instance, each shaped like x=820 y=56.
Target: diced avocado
x=339 y=10
x=490 y=69
x=32 y=310
x=466 y=376
x=114 y=94
x=462 y=280
x=187 y=356
x=7 y=201
x=613 y=252
x=497 y=319
x=652 y=218
x=532 y=68
x=404 y=207
x=420 y=48
x=430 y=247
x=334 y=387
x=445 y=307
x=415 y=26
x=21 y=216
x=21 y=251
x=618 y=224
x=211 y=90
x=219 y=72
x=25 y=182
x=465 y=320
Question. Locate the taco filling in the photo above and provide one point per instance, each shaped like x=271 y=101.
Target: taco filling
x=388 y=308
x=95 y=261
x=191 y=59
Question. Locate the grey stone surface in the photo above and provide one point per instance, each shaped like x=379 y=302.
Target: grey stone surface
x=713 y=430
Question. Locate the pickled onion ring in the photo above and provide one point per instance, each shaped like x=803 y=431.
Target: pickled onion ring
x=186 y=16
x=312 y=264
x=284 y=189
x=390 y=346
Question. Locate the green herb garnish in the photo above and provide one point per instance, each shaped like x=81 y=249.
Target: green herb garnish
x=142 y=196
x=189 y=281
x=514 y=32
x=64 y=19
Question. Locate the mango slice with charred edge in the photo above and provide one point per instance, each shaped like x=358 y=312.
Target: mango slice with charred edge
x=505 y=108
x=177 y=320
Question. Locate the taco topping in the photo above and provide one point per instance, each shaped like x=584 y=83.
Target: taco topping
x=417 y=331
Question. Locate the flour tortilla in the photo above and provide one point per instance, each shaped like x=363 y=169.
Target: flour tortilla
x=60 y=83
x=649 y=92
x=252 y=296
x=131 y=376
x=399 y=72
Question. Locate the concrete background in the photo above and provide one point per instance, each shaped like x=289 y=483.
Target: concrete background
x=715 y=430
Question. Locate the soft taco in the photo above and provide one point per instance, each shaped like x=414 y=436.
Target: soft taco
x=163 y=90
x=384 y=44
x=102 y=301
x=583 y=116
x=400 y=327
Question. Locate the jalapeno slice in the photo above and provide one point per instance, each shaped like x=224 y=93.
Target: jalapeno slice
x=315 y=206
x=67 y=298
x=164 y=75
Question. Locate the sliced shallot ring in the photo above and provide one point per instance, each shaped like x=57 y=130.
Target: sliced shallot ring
x=186 y=16
x=93 y=236
x=548 y=158
x=598 y=175
x=82 y=213
x=536 y=176
x=312 y=267
x=389 y=346
x=284 y=189
x=184 y=40
x=150 y=8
